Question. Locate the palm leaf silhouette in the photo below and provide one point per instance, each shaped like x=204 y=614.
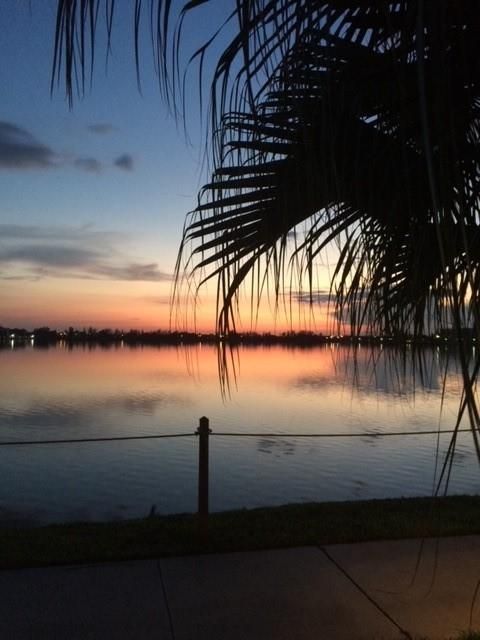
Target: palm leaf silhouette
x=359 y=120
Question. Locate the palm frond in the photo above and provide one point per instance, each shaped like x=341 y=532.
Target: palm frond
x=359 y=120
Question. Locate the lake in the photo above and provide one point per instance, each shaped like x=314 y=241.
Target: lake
x=280 y=392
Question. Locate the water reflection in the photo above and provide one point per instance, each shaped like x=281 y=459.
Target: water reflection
x=58 y=393
x=389 y=371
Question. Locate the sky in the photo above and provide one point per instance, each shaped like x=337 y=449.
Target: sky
x=93 y=197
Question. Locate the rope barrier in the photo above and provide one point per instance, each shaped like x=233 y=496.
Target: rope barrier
x=365 y=434
x=12 y=443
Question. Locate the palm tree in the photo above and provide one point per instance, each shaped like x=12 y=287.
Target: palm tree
x=332 y=121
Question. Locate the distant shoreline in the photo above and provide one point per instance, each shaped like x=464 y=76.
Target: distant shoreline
x=45 y=337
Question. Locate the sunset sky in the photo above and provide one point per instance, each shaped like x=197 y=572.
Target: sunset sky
x=94 y=198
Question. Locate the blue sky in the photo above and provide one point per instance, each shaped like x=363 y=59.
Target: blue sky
x=94 y=198
x=96 y=195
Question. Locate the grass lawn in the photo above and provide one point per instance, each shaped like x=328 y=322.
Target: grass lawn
x=276 y=527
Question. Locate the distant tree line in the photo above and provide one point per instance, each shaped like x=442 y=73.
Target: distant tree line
x=45 y=336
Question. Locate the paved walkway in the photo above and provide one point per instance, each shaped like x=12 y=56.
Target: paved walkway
x=356 y=592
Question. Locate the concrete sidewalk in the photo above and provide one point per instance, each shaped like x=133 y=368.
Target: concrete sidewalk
x=355 y=592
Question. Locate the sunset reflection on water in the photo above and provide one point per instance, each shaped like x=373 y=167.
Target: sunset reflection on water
x=97 y=392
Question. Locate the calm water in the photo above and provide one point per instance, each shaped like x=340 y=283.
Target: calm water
x=61 y=393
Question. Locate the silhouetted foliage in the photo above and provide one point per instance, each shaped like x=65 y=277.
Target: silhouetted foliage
x=341 y=121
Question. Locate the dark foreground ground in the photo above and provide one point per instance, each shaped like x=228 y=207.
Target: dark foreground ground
x=383 y=590
x=246 y=530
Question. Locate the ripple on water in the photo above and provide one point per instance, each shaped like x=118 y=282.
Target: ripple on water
x=279 y=391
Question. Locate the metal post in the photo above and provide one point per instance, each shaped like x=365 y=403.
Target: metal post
x=203 y=432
